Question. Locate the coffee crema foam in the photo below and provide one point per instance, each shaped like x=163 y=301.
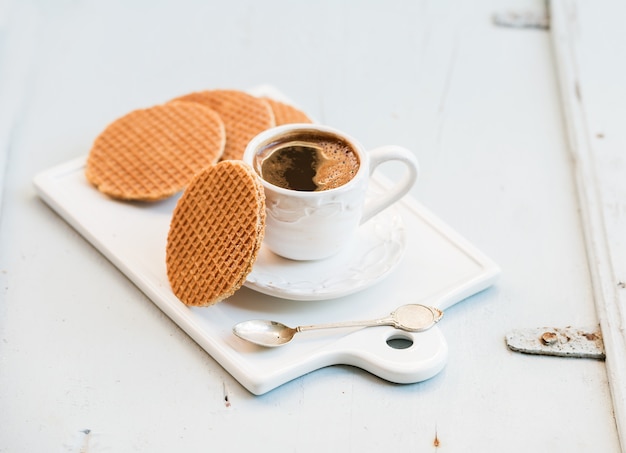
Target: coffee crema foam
x=309 y=163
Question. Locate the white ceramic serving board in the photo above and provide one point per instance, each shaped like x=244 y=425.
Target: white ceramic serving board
x=438 y=268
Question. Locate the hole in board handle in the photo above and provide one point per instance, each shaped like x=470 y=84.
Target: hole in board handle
x=399 y=342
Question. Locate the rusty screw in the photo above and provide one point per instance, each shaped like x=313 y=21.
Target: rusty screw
x=549 y=338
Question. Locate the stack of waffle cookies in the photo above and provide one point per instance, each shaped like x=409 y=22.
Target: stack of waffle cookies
x=194 y=143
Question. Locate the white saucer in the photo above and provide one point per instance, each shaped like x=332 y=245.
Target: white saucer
x=372 y=254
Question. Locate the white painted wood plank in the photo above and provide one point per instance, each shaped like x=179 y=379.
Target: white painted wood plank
x=18 y=22
x=588 y=40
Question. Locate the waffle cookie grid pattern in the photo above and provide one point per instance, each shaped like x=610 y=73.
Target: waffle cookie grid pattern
x=153 y=153
x=244 y=116
x=286 y=113
x=215 y=233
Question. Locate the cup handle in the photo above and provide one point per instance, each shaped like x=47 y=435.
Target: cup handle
x=401 y=188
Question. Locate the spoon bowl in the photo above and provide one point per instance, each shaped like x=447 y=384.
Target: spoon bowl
x=265 y=333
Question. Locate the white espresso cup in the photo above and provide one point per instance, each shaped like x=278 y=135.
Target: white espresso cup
x=308 y=223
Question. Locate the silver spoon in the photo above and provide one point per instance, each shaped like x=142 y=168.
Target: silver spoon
x=412 y=318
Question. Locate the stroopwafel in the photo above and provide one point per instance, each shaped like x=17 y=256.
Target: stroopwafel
x=244 y=116
x=215 y=233
x=150 y=154
x=287 y=113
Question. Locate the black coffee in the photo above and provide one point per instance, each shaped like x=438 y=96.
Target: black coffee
x=309 y=163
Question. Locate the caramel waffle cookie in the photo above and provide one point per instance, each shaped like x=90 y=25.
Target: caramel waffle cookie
x=215 y=233
x=153 y=153
x=287 y=113
x=244 y=116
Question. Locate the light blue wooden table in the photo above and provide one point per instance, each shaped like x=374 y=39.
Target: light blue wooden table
x=89 y=363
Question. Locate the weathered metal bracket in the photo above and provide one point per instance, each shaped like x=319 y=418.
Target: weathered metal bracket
x=562 y=342
x=522 y=19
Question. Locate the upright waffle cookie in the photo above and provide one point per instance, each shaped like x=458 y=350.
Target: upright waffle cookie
x=244 y=116
x=215 y=233
x=286 y=113
x=152 y=153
